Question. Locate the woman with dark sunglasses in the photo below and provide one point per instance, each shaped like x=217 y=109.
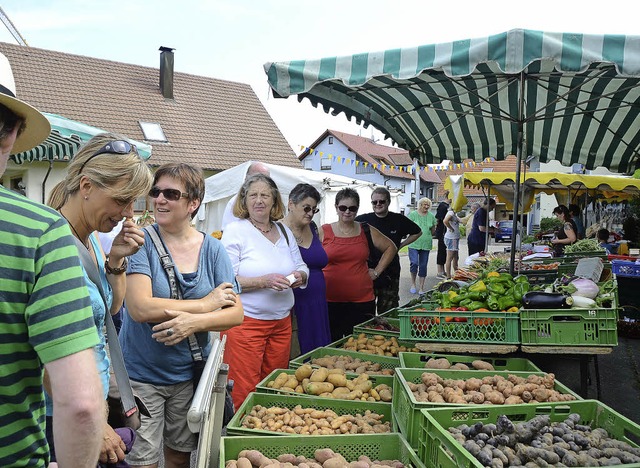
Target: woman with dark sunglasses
x=349 y=279
x=267 y=264
x=160 y=329
x=310 y=303
x=103 y=180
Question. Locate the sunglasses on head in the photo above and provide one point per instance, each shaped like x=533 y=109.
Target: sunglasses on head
x=344 y=208
x=307 y=209
x=168 y=193
x=113 y=147
x=378 y=202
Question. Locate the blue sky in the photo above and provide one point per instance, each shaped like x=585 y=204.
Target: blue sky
x=232 y=39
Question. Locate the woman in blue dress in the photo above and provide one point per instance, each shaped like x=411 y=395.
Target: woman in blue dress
x=310 y=303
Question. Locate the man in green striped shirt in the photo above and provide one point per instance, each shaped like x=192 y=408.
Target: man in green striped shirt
x=45 y=316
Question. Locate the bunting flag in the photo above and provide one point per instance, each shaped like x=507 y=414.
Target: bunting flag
x=410 y=169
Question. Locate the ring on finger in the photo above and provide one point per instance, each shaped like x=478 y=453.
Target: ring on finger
x=169 y=331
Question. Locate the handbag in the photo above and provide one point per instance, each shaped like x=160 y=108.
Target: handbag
x=125 y=408
x=384 y=279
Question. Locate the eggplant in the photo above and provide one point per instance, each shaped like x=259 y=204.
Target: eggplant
x=546 y=300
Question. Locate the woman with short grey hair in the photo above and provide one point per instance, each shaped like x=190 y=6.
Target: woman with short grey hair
x=310 y=304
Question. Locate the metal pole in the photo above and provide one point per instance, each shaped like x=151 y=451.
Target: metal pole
x=416 y=171
x=516 y=194
x=487 y=236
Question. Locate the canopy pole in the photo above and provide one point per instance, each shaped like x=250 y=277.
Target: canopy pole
x=487 y=235
x=516 y=194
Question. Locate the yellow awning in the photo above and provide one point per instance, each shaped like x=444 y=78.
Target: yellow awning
x=502 y=184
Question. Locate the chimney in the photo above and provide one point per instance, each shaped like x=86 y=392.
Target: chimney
x=166 y=72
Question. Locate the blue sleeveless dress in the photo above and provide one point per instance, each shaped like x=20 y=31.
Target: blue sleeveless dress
x=310 y=304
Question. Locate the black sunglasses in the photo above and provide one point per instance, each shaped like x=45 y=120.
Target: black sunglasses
x=170 y=194
x=113 y=147
x=344 y=208
x=378 y=202
x=307 y=209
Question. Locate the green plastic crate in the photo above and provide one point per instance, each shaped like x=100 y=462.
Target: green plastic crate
x=368 y=327
x=570 y=269
x=540 y=276
x=339 y=344
x=438 y=449
x=391 y=313
x=569 y=327
x=418 y=360
x=479 y=327
x=374 y=446
x=262 y=386
x=340 y=407
x=386 y=362
x=406 y=409
x=572 y=257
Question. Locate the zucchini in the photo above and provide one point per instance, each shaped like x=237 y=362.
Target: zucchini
x=546 y=300
x=581 y=302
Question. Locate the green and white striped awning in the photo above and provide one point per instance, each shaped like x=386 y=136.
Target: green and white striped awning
x=574 y=98
x=64 y=140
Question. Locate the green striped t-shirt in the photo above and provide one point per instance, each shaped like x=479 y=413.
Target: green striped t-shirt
x=45 y=314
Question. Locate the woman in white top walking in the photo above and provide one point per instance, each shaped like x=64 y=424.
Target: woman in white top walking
x=452 y=241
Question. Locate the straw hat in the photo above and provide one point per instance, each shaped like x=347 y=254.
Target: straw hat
x=37 y=127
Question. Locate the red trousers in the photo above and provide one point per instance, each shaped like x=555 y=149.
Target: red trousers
x=253 y=350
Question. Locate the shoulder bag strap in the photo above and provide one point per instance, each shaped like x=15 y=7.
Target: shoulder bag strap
x=367 y=233
x=115 y=351
x=284 y=232
x=176 y=293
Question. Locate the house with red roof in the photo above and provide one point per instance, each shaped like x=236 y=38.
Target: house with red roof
x=364 y=159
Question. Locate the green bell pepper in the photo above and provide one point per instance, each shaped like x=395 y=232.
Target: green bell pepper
x=465 y=302
x=520 y=289
x=476 y=305
x=492 y=302
x=521 y=279
x=496 y=288
x=506 y=302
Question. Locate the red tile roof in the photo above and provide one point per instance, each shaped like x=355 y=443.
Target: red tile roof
x=211 y=123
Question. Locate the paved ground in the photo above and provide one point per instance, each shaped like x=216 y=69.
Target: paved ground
x=619 y=371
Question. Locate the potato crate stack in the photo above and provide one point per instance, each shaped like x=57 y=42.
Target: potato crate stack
x=439 y=448
x=406 y=407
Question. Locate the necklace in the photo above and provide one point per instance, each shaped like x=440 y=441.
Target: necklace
x=263 y=231
x=75 y=233
x=351 y=233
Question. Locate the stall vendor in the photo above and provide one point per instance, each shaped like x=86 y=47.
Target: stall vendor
x=567 y=234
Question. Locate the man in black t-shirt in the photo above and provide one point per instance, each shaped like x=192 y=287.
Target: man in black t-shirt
x=441 y=212
x=402 y=231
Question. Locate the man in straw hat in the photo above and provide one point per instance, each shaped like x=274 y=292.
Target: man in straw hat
x=45 y=316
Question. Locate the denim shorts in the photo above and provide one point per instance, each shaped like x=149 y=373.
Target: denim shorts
x=452 y=244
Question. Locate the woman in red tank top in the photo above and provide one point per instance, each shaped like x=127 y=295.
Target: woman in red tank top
x=349 y=280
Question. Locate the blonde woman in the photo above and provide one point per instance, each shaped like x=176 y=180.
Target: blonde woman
x=420 y=249
x=103 y=180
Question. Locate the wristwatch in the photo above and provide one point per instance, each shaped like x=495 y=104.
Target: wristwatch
x=116 y=271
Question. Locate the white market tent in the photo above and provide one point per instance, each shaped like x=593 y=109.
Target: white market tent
x=221 y=187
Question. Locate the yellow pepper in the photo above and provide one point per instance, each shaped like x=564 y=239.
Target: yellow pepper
x=478 y=286
x=451 y=293
x=493 y=274
x=513 y=309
